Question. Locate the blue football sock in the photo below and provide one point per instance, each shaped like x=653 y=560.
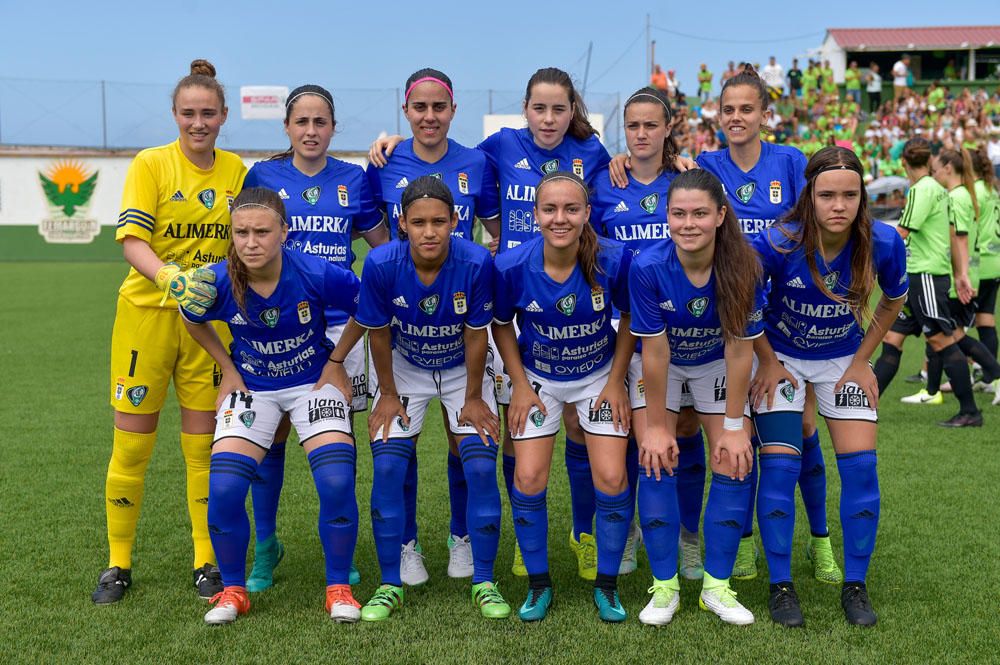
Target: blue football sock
x=333 y=472
x=812 y=484
x=508 y=473
x=614 y=514
x=659 y=516
x=727 y=501
x=389 y=461
x=531 y=526
x=410 y=500
x=632 y=465
x=581 y=487
x=776 y=512
x=859 y=511
x=752 y=497
x=229 y=478
x=691 y=479
x=479 y=464
x=458 y=493
x=266 y=491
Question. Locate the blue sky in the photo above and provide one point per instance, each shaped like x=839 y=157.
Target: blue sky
x=376 y=45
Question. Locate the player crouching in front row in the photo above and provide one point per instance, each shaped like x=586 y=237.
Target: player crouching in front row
x=697 y=304
x=274 y=301
x=426 y=301
x=561 y=286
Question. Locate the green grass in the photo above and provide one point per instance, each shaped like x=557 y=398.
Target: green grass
x=931 y=578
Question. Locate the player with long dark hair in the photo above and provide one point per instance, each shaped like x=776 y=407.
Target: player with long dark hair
x=824 y=261
x=696 y=303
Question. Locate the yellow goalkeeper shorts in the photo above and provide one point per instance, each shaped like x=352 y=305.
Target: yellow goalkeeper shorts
x=149 y=345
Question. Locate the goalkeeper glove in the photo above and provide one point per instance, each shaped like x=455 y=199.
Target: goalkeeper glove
x=193 y=289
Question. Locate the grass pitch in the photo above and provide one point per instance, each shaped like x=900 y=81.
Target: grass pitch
x=931 y=579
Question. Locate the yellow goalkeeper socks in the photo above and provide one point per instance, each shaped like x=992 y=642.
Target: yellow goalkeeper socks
x=197 y=450
x=123 y=490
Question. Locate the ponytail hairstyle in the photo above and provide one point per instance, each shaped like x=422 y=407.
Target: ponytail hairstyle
x=202 y=76
x=293 y=96
x=649 y=95
x=917 y=152
x=983 y=167
x=424 y=187
x=748 y=76
x=735 y=265
x=801 y=227
x=239 y=277
x=579 y=127
x=586 y=254
x=961 y=163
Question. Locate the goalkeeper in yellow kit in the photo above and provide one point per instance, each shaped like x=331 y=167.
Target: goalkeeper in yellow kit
x=174 y=219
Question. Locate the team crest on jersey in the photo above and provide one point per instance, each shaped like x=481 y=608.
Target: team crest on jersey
x=550 y=166
x=227 y=418
x=247 y=418
x=463 y=183
x=270 y=316
x=120 y=388
x=429 y=304
x=697 y=306
x=136 y=394
x=342 y=196
x=745 y=192
x=775 y=191
x=538 y=418
x=567 y=304
x=650 y=202
x=207 y=198
x=578 y=168
x=305 y=316
x=458 y=300
x=830 y=281
x=312 y=194
x=597 y=298
x=787 y=391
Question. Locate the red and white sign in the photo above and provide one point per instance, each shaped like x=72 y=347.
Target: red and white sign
x=263 y=102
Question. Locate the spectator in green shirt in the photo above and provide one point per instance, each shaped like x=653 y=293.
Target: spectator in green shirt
x=852 y=82
x=704 y=83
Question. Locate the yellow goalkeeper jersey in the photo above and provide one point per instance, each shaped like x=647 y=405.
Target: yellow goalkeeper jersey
x=182 y=211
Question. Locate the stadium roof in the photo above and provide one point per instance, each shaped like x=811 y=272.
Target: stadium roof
x=900 y=39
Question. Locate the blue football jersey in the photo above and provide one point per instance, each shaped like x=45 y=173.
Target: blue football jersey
x=800 y=320
x=636 y=215
x=520 y=164
x=322 y=210
x=664 y=299
x=466 y=171
x=280 y=341
x=566 y=330
x=763 y=194
x=427 y=322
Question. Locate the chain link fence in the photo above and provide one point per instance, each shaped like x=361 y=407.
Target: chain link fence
x=115 y=115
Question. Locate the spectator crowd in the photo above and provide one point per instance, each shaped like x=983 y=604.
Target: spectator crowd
x=811 y=110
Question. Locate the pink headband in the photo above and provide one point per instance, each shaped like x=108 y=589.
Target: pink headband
x=428 y=78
